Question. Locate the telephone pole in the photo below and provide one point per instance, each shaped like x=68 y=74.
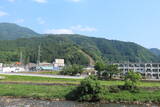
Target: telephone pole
x=39 y=55
x=21 y=58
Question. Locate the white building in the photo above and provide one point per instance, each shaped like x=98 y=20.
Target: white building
x=149 y=70
x=59 y=63
x=13 y=69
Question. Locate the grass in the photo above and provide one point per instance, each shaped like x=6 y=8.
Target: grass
x=142 y=96
x=59 y=91
x=35 y=91
x=140 y=84
x=15 y=78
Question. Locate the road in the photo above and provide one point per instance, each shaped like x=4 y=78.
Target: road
x=45 y=75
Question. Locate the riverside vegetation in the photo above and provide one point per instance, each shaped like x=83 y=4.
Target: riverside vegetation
x=100 y=87
x=98 y=90
x=93 y=88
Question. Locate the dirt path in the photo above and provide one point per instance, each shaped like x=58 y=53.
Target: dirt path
x=47 y=84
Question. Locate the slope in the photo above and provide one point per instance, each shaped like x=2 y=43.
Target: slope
x=10 y=31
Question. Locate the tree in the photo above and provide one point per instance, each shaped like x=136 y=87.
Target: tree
x=131 y=80
x=100 y=66
x=72 y=70
x=89 y=90
x=111 y=70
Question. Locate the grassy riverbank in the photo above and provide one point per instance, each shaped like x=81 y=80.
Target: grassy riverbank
x=126 y=96
x=35 y=91
x=32 y=79
x=51 y=92
x=60 y=92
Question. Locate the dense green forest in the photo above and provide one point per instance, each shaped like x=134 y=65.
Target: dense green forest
x=75 y=49
x=11 y=31
x=72 y=49
x=155 y=51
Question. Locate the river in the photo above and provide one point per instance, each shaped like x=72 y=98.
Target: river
x=12 y=102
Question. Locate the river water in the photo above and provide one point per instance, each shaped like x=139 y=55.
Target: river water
x=10 y=102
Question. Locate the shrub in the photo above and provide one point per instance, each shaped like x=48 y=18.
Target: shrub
x=72 y=70
x=114 y=89
x=131 y=80
x=88 y=90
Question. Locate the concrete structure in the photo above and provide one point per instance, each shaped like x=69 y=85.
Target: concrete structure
x=149 y=70
x=59 y=63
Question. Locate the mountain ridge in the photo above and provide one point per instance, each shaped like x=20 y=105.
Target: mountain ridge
x=12 y=31
x=155 y=51
x=73 y=48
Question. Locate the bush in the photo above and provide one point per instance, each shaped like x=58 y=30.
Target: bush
x=114 y=89
x=88 y=90
x=131 y=80
x=72 y=70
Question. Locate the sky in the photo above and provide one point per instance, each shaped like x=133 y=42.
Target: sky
x=126 y=20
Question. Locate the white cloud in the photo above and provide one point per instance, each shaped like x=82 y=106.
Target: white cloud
x=83 y=28
x=2 y=13
x=40 y=1
x=75 y=0
x=11 y=0
x=41 y=20
x=19 y=21
x=71 y=30
x=59 y=31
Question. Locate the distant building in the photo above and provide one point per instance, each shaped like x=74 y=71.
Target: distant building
x=149 y=70
x=59 y=63
x=13 y=69
x=45 y=64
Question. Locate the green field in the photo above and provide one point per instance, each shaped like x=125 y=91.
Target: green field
x=10 y=78
x=35 y=91
x=60 y=92
x=51 y=92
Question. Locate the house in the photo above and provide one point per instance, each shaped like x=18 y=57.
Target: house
x=59 y=63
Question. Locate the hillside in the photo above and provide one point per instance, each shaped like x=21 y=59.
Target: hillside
x=10 y=31
x=74 y=49
x=112 y=50
x=155 y=51
x=51 y=48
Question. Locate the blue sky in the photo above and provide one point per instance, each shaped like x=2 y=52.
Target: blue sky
x=127 y=20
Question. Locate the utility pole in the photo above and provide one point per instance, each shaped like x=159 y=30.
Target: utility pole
x=21 y=57
x=39 y=55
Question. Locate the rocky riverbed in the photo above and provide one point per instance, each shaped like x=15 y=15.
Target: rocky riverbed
x=23 y=102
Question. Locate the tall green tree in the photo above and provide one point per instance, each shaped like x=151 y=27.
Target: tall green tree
x=100 y=66
x=111 y=70
x=72 y=70
x=131 y=80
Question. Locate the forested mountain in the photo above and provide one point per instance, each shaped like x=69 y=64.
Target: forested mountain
x=155 y=51
x=74 y=49
x=10 y=31
x=113 y=50
x=51 y=47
